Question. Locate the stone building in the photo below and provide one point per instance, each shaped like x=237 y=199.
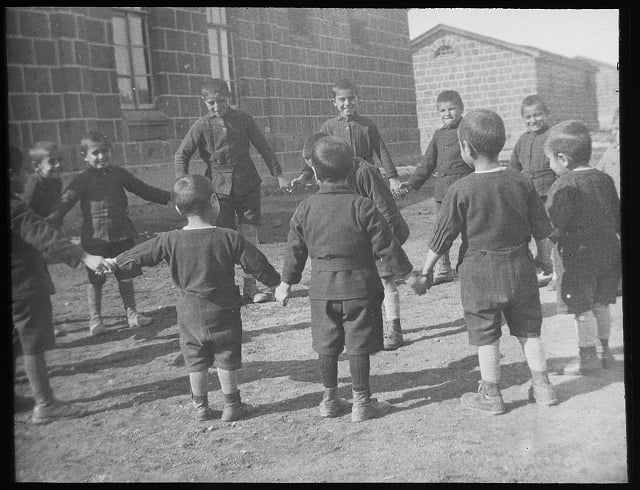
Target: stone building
x=493 y=74
x=135 y=74
x=607 y=90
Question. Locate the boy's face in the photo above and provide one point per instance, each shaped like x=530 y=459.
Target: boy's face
x=535 y=118
x=50 y=166
x=98 y=155
x=450 y=112
x=558 y=163
x=346 y=101
x=217 y=103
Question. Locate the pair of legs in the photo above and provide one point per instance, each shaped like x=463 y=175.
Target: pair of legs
x=125 y=287
x=392 y=330
x=591 y=325
x=246 y=208
x=357 y=325
x=508 y=287
x=33 y=334
x=444 y=271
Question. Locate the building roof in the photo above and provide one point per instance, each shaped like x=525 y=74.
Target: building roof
x=428 y=36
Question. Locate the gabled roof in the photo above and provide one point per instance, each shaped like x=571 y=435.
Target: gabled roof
x=425 y=38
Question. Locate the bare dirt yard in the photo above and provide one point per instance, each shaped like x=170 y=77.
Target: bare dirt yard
x=140 y=426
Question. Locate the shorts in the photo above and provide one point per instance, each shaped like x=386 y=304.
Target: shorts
x=246 y=207
x=109 y=250
x=33 y=325
x=495 y=283
x=210 y=334
x=352 y=323
x=589 y=277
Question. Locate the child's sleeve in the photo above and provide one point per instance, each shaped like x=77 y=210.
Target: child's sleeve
x=450 y=222
x=190 y=143
x=260 y=142
x=514 y=161
x=296 y=253
x=612 y=202
x=145 y=191
x=72 y=194
x=384 y=245
x=561 y=209
x=538 y=218
x=146 y=254
x=427 y=165
x=46 y=238
x=254 y=262
x=380 y=149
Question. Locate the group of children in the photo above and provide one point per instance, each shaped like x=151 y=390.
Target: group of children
x=352 y=231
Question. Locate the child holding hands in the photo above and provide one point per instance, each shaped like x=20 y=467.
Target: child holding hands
x=202 y=258
x=343 y=233
x=496 y=210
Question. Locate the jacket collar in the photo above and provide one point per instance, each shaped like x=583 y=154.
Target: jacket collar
x=355 y=117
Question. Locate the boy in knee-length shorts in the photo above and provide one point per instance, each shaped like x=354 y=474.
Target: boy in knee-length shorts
x=202 y=258
x=496 y=210
x=585 y=210
x=343 y=233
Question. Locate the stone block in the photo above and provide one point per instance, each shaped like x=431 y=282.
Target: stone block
x=50 y=107
x=44 y=131
x=63 y=25
x=45 y=52
x=71 y=130
x=71 y=106
x=34 y=24
x=15 y=79
x=20 y=51
x=23 y=107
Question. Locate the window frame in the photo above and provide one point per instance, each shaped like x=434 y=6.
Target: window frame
x=222 y=28
x=141 y=13
x=450 y=52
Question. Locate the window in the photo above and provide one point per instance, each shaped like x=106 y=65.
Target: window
x=358 y=30
x=133 y=63
x=221 y=48
x=299 y=22
x=444 y=51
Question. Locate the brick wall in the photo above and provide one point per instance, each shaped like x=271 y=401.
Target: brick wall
x=487 y=76
x=62 y=81
x=607 y=93
x=569 y=89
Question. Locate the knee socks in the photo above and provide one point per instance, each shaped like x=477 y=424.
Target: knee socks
x=228 y=381
x=586 y=327
x=603 y=319
x=36 y=369
x=534 y=353
x=328 y=366
x=359 y=366
x=489 y=360
x=127 y=294
x=199 y=382
x=391 y=299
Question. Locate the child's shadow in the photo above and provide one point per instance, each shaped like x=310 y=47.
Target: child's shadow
x=456 y=323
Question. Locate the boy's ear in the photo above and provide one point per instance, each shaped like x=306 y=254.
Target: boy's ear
x=563 y=159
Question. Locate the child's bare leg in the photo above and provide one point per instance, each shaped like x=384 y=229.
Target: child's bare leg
x=199 y=382
x=488 y=399
x=393 y=329
x=331 y=405
x=541 y=391
x=234 y=408
x=603 y=319
x=250 y=290
x=587 y=360
x=94 y=296
x=364 y=406
x=134 y=319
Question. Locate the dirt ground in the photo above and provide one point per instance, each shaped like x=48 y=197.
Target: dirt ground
x=140 y=426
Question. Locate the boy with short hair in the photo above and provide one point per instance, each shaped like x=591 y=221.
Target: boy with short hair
x=106 y=227
x=585 y=212
x=528 y=156
x=223 y=138
x=343 y=233
x=366 y=180
x=496 y=210
x=357 y=131
x=43 y=188
x=443 y=159
x=31 y=287
x=202 y=258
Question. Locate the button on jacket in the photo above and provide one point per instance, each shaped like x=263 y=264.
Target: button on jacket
x=223 y=143
x=104 y=204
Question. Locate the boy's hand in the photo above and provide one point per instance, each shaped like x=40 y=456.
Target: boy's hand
x=282 y=293
x=95 y=262
x=299 y=180
x=283 y=183
x=401 y=191
x=419 y=284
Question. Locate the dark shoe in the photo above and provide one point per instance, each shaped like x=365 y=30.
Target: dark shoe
x=543 y=394
x=392 y=335
x=43 y=414
x=365 y=408
x=234 y=408
x=488 y=399
x=135 y=319
x=201 y=405
x=332 y=405
x=586 y=362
